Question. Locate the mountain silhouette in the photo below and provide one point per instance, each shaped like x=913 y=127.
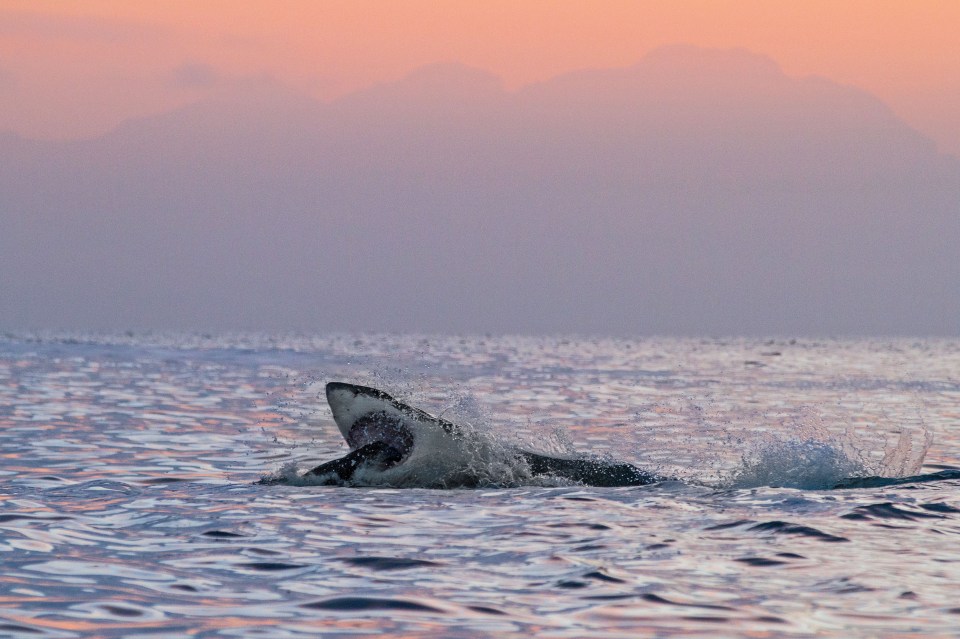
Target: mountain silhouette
x=697 y=191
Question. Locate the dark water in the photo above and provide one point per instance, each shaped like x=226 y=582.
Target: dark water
x=128 y=503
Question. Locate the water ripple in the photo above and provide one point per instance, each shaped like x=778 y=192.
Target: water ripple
x=128 y=505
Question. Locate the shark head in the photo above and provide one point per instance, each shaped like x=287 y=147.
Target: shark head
x=366 y=415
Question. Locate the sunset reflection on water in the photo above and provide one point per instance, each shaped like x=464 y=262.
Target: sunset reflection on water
x=128 y=505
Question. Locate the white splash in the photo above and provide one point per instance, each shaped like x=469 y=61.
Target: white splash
x=807 y=454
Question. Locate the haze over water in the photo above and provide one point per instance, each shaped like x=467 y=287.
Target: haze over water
x=695 y=191
x=128 y=505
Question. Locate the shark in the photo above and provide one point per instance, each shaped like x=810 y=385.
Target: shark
x=382 y=432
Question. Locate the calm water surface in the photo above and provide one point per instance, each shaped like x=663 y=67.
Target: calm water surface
x=129 y=508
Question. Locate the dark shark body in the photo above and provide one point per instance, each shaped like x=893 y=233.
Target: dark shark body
x=383 y=431
x=883 y=482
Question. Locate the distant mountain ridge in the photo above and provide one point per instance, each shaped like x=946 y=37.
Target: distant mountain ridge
x=698 y=191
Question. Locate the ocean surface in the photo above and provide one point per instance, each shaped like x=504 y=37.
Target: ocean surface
x=130 y=504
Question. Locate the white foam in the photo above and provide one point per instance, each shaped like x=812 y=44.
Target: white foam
x=792 y=463
x=816 y=457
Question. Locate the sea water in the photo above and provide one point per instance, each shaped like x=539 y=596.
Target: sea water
x=130 y=504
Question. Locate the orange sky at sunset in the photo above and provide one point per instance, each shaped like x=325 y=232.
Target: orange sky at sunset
x=78 y=69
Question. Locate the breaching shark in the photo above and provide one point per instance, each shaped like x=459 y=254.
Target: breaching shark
x=382 y=432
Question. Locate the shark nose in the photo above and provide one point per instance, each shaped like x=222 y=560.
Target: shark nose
x=333 y=387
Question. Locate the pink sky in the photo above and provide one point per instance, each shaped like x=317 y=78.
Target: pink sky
x=78 y=69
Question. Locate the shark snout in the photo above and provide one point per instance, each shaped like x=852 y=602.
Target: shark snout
x=334 y=388
x=350 y=402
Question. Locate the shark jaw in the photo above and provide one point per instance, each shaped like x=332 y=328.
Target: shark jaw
x=367 y=416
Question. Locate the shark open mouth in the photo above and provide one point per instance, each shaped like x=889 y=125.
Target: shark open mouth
x=381 y=428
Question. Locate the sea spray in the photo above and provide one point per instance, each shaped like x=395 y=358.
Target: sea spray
x=810 y=452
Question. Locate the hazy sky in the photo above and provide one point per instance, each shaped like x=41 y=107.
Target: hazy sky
x=682 y=167
x=76 y=69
